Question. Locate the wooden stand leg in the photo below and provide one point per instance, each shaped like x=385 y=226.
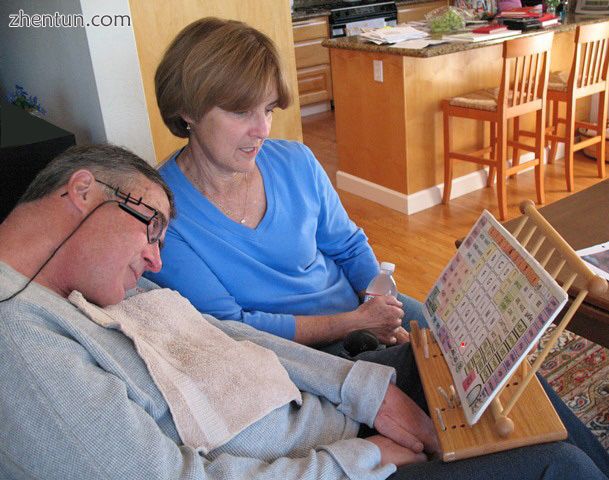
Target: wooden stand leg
x=503 y=425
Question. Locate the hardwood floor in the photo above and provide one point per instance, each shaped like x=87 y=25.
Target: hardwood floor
x=422 y=244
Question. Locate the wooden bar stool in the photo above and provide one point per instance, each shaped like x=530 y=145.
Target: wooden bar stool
x=588 y=76
x=523 y=87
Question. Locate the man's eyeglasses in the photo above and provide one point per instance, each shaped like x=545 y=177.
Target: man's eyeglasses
x=154 y=222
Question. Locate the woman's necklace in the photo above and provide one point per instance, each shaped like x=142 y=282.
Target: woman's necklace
x=214 y=198
x=227 y=211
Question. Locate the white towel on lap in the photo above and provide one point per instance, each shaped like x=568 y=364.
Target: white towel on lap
x=215 y=386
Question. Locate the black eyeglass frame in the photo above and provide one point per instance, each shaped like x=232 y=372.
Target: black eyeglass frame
x=124 y=205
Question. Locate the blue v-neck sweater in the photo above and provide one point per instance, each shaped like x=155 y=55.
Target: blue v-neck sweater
x=305 y=257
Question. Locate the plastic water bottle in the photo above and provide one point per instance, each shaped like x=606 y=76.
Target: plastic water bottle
x=383 y=283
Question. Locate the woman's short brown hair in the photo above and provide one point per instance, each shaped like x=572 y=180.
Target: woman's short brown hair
x=217 y=63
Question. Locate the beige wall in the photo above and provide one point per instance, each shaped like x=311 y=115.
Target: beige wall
x=156 y=22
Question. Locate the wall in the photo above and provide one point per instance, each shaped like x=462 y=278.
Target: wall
x=118 y=78
x=87 y=78
x=53 y=64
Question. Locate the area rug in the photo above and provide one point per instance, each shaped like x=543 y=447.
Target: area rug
x=578 y=370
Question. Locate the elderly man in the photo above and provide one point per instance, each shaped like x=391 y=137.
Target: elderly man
x=84 y=395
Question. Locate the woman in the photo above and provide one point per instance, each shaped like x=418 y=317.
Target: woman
x=261 y=235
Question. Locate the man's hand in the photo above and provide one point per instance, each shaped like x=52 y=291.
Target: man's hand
x=391 y=452
x=402 y=420
x=383 y=316
x=402 y=336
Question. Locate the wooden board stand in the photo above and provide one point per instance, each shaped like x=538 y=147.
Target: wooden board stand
x=533 y=416
x=528 y=417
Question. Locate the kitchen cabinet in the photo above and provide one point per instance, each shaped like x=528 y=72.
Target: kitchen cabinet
x=312 y=60
x=413 y=12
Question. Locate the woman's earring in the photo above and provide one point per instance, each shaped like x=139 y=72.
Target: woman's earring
x=188 y=127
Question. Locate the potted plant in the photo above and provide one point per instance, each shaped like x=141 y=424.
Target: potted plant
x=551 y=6
x=24 y=100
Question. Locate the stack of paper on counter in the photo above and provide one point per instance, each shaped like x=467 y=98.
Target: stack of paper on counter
x=418 y=44
x=479 y=37
x=392 y=34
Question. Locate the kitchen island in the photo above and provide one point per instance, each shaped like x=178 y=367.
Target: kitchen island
x=389 y=129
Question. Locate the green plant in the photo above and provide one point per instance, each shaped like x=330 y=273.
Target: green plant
x=24 y=100
x=553 y=4
x=446 y=21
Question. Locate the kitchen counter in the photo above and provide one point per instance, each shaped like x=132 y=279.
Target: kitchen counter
x=357 y=43
x=389 y=127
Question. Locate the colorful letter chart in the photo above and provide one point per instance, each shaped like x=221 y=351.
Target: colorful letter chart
x=491 y=303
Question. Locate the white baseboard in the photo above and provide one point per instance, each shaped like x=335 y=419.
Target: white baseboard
x=372 y=191
x=422 y=199
x=321 y=107
x=429 y=197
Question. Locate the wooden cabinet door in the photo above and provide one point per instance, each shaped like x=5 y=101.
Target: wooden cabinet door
x=314 y=84
x=312 y=60
x=311 y=53
x=310 y=29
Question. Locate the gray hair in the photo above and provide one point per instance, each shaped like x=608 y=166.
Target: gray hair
x=114 y=165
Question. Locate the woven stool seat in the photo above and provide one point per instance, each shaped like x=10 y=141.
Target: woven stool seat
x=558 y=81
x=481 y=99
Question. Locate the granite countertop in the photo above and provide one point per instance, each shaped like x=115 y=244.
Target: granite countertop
x=311 y=12
x=357 y=43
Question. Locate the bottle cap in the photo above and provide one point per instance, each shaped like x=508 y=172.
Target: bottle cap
x=387 y=266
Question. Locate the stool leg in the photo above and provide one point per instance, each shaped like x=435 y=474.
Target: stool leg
x=539 y=151
x=548 y=119
x=448 y=167
x=554 y=130
x=515 y=149
x=501 y=167
x=492 y=170
x=602 y=129
x=569 y=142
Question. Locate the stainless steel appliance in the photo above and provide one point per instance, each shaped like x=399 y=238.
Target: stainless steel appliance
x=348 y=17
